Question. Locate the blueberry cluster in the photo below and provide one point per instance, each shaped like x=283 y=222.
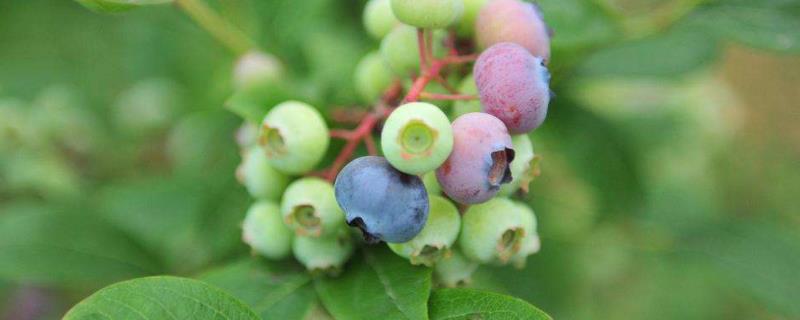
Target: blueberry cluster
x=439 y=194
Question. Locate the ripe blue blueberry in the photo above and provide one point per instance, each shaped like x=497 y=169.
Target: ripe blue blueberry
x=386 y=204
x=437 y=237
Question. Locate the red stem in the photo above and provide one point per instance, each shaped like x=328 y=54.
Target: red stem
x=423 y=56
x=370 y=143
x=363 y=129
x=445 y=84
x=420 y=83
x=383 y=108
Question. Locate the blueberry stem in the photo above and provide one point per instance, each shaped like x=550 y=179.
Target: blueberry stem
x=369 y=120
x=224 y=32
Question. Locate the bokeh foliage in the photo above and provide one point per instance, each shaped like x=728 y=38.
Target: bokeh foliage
x=669 y=186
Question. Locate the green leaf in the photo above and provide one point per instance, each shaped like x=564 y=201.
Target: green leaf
x=761 y=259
x=772 y=26
x=47 y=246
x=187 y=221
x=161 y=297
x=272 y=290
x=377 y=285
x=577 y=23
x=254 y=101
x=475 y=304
x=664 y=55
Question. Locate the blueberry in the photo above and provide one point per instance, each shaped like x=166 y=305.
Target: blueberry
x=513 y=86
x=309 y=208
x=254 y=67
x=455 y=270
x=417 y=138
x=324 y=254
x=492 y=231
x=514 y=21
x=294 y=137
x=378 y=18
x=437 y=237
x=372 y=76
x=386 y=204
x=399 y=49
x=530 y=242
x=525 y=167
x=264 y=231
x=479 y=163
x=260 y=179
x=431 y=14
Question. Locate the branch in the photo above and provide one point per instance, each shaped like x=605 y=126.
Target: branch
x=233 y=38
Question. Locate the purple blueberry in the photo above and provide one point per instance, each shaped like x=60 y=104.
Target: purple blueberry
x=386 y=204
x=480 y=161
x=514 y=21
x=513 y=86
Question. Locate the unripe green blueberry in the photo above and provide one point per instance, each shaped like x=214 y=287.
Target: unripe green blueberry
x=530 y=242
x=258 y=177
x=417 y=138
x=41 y=171
x=462 y=107
x=429 y=14
x=466 y=25
x=309 y=208
x=265 y=232
x=294 y=137
x=400 y=51
x=524 y=168
x=247 y=135
x=379 y=18
x=455 y=270
x=372 y=77
x=62 y=118
x=15 y=129
x=256 y=66
x=431 y=184
x=492 y=231
x=324 y=254
x=147 y=107
x=437 y=236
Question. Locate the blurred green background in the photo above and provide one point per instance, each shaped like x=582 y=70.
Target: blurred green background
x=671 y=171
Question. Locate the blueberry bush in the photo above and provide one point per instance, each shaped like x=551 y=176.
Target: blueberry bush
x=399 y=159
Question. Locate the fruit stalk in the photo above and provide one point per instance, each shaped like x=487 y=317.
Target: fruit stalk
x=220 y=29
x=382 y=110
